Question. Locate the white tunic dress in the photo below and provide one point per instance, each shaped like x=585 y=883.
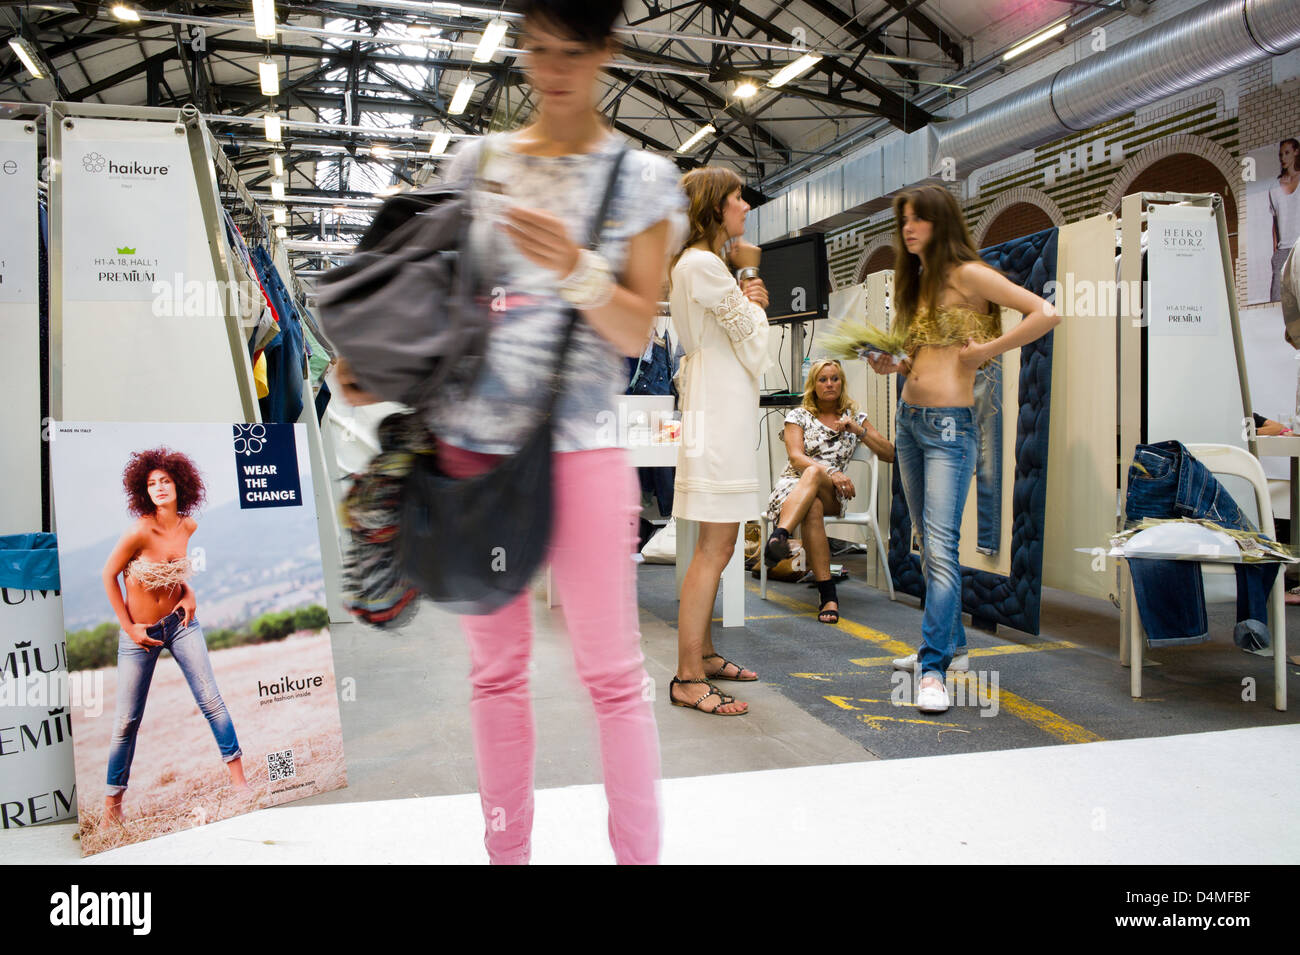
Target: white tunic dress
x=725 y=336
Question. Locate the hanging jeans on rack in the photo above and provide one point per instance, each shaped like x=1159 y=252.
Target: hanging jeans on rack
x=988 y=461
x=1166 y=481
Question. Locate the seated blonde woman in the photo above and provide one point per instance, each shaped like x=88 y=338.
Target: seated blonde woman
x=820 y=437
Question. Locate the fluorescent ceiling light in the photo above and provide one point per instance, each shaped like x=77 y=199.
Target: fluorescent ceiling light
x=277 y=190
x=340 y=209
x=27 y=54
x=797 y=68
x=1034 y=41
x=492 y=35
x=269 y=74
x=380 y=150
x=745 y=90
x=439 y=145
x=264 y=19
x=277 y=165
x=125 y=13
x=272 y=124
x=461 y=98
x=392 y=190
x=700 y=134
x=279 y=214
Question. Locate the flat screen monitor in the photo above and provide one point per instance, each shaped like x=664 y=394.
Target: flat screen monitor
x=798 y=282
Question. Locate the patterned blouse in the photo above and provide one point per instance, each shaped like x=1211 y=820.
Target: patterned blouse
x=505 y=402
x=823 y=444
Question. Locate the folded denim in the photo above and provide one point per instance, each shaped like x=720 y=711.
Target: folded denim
x=988 y=466
x=1166 y=480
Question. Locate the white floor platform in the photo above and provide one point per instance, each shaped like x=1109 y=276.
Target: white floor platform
x=1226 y=797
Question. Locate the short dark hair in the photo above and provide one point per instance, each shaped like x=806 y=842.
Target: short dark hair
x=588 y=21
x=190 y=491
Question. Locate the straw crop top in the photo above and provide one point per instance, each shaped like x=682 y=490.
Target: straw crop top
x=160 y=574
x=950 y=325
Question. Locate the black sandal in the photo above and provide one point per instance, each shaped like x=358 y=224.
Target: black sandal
x=778 y=547
x=826 y=591
x=728 y=663
x=723 y=698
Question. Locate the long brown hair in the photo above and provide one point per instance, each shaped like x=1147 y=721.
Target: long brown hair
x=950 y=245
x=706 y=191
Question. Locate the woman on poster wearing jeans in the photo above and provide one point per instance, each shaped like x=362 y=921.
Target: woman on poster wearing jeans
x=163 y=488
x=947 y=304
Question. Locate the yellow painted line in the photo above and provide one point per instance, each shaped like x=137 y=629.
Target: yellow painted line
x=766 y=616
x=882 y=640
x=1051 y=723
x=981 y=652
x=870 y=719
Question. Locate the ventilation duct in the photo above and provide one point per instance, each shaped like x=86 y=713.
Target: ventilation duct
x=1213 y=39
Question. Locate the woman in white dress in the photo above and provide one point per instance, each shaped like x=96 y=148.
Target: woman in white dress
x=723 y=327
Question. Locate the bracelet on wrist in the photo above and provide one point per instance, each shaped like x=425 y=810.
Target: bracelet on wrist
x=590 y=284
x=748 y=272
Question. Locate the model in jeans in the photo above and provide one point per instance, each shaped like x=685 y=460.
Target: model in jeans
x=552 y=174
x=723 y=327
x=947 y=304
x=162 y=488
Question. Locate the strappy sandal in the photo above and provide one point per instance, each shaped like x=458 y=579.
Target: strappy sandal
x=713 y=691
x=826 y=591
x=778 y=547
x=728 y=663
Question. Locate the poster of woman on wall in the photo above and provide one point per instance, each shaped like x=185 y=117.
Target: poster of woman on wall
x=190 y=566
x=1272 y=217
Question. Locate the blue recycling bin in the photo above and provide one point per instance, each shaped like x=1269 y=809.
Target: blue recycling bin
x=37 y=778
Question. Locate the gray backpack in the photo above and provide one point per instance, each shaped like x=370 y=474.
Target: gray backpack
x=403 y=309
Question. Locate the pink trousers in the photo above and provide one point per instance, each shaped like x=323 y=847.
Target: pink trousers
x=593 y=535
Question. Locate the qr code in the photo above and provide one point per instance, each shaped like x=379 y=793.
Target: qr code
x=280 y=765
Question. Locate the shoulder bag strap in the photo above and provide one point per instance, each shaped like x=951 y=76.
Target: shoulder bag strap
x=597 y=227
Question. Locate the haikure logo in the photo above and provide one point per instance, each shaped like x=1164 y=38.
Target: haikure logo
x=96 y=162
x=249 y=439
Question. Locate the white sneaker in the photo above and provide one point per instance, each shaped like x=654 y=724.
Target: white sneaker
x=960 y=664
x=932 y=698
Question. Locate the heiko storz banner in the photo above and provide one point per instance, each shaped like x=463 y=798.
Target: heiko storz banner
x=1193 y=390
x=190 y=563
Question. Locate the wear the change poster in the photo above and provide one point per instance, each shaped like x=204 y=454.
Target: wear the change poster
x=189 y=559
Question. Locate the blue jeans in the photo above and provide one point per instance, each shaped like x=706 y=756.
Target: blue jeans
x=988 y=466
x=1166 y=481
x=135 y=666
x=935 y=449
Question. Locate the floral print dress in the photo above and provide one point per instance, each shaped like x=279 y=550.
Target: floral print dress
x=824 y=445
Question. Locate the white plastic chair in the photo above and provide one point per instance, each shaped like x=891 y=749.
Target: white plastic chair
x=1225 y=460
x=865 y=519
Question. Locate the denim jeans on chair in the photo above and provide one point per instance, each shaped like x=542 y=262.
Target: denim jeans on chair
x=988 y=467
x=1166 y=481
x=935 y=451
x=135 y=666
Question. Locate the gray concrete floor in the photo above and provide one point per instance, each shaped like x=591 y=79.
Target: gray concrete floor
x=824 y=696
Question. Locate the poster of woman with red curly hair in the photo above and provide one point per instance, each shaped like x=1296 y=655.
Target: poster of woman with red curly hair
x=193 y=594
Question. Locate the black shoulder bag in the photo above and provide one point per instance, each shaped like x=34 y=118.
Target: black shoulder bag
x=473 y=544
